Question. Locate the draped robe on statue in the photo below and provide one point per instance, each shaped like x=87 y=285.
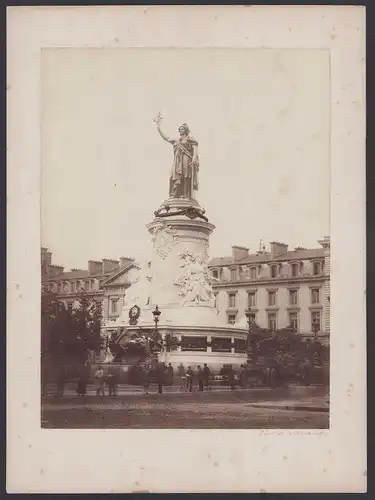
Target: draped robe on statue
x=184 y=175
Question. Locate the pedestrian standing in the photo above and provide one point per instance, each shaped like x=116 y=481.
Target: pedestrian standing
x=181 y=375
x=82 y=382
x=231 y=377
x=189 y=379
x=242 y=376
x=206 y=375
x=99 y=376
x=200 y=378
x=170 y=374
x=160 y=374
x=146 y=379
x=112 y=383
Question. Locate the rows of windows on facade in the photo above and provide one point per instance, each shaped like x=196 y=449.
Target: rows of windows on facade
x=272 y=302
x=275 y=281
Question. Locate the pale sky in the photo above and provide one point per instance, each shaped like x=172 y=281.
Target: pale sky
x=261 y=118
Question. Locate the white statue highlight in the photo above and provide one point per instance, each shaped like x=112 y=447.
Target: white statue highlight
x=194 y=281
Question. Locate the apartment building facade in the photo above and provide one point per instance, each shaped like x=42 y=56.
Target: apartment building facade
x=282 y=287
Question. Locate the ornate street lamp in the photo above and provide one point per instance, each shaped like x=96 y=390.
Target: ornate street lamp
x=156 y=313
x=250 y=321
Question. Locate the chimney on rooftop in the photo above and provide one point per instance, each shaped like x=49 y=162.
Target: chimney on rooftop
x=54 y=271
x=239 y=253
x=94 y=267
x=325 y=242
x=109 y=265
x=45 y=260
x=277 y=248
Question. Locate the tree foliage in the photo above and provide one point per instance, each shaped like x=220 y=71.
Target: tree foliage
x=286 y=345
x=87 y=317
x=68 y=337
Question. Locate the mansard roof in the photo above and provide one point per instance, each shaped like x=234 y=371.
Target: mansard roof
x=300 y=254
x=84 y=274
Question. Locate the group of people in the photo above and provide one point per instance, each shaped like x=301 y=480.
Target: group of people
x=165 y=375
x=162 y=375
x=101 y=380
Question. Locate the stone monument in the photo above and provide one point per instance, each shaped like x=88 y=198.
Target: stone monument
x=177 y=278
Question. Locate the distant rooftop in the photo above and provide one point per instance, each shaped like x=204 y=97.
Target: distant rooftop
x=297 y=254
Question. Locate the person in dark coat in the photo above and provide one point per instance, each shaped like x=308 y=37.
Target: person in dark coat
x=231 y=379
x=200 y=377
x=206 y=375
x=170 y=374
x=242 y=376
x=160 y=375
x=189 y=379
x=81 y=385
x=146 y=374
x=181 y=375
x=112 y=383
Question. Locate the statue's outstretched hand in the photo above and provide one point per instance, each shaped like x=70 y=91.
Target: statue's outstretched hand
x=158 y=119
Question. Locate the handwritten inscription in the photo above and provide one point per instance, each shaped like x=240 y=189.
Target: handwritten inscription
x=292 y=432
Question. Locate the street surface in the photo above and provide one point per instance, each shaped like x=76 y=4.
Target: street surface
x=293 y=408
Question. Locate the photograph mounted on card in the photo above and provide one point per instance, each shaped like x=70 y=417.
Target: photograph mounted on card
x=191 y=230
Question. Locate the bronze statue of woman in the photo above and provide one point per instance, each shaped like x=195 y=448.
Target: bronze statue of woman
x=183 y=181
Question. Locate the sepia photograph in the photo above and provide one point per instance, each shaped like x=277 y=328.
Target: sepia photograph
x=185 y=253
x=186 y=249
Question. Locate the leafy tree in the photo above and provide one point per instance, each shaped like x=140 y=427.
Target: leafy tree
x=67 y=338
x=55 y=328
x=87 y=317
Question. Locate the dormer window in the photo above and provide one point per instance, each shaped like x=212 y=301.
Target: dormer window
x=317 y=268
x=253 y=273
x=295 y=269
x=215 y=273
x=273 y=271
x=233 y=274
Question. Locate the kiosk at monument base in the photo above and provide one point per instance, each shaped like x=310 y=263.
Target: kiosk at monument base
x=177 y=279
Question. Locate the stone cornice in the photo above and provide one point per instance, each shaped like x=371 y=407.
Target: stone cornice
x=270 y=281
x=225 y=330
x=75 y=295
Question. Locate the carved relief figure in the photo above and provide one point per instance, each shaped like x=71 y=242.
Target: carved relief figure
x=139 y=291
x=194 y=281
x=164 y=238
x=183 y=179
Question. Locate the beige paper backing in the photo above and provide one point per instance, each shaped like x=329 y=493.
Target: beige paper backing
x=188 y=460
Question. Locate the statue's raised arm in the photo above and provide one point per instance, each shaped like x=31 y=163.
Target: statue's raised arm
x=183 y=182
x=158 y=120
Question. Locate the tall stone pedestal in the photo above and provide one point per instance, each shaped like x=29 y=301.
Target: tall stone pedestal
x=178 y=282
x=180 y=245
